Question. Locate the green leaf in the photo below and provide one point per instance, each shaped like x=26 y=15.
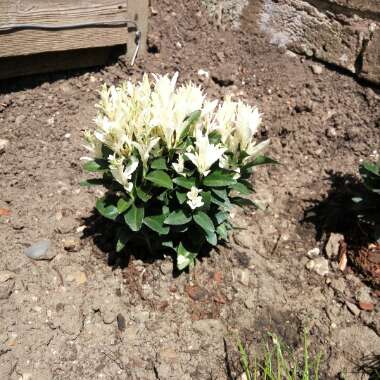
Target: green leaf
x=211 y=238
x=168 y=244
x=165 y=210
x=261 y=160
x=190 y=120
x=221 y=193
x=219 y=178
x=240 y=201
x=184 y=257
x=97 y=165
x=160 y=178
x=159 y=163
x=143 y=195
x=107 y=209
x=156 y=223
x=222 y=232
x=134 y=218
x=182 y=197
x=241 y=188
x=193 y=117
x=204 y=221
x=206 y=197
x=92 y=182
x=163 y=196
x=221 y=217
x=177 y=218
x=123 y=205
x=123 y=236
x=187 y=183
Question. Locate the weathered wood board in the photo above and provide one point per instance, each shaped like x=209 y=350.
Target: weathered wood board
x=60 y=12
x=24 y=42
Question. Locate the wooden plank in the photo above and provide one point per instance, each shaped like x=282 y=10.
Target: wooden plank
x=57 y=12
x=137 y=10
x=60 y=11
x=11 y=67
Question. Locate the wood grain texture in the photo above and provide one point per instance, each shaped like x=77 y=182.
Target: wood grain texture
x=138 y=12
x=53 y=12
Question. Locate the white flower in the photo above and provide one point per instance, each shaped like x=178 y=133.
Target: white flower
x=206 y=154
x=194 y=199
x=254 y=150
x=121 y=174
x=179 y=166
x=144 y=148
x=93 y=145
x=248 y=120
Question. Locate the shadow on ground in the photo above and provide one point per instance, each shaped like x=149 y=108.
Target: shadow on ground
x=335 y=213
x=370 y=365
x=103 y=233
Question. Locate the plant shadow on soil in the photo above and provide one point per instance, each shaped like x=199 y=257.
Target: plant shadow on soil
x=370 y=365
x=335 y=214
x=103 y=231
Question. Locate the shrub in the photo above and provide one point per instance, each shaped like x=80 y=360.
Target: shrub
x=367 y=204
x=173 y=163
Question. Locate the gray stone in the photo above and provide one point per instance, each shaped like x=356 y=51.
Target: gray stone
x=333 y=244
x=244 y=277
x=3 y=145
x=41 y=250
x=312 y=253
x=329 y=32
x=317 y=69
x=371 y=59
x=319 y=265
x=353 y=308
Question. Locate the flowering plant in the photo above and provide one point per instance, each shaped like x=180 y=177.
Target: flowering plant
x=173 y=163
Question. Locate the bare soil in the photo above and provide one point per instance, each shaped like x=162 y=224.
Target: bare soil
x=90 y=314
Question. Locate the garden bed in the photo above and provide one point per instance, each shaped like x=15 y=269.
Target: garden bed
x=90 y=313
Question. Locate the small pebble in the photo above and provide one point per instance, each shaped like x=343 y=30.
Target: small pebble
x=313 y=253
x=120 y=322
x=353 y=308
x=317 y=69
x=40 y=251
x=3 y=145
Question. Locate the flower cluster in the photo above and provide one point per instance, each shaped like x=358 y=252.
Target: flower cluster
x=172 y=161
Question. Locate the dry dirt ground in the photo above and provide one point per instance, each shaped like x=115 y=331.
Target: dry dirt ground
x=89 y=314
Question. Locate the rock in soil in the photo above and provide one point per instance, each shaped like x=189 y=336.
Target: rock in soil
x=366 y=306
x=41 y=250
x=4 y=144
x=319 y=265
x=333 y=244
x=313 y=253
x=317 y=69
x=353 y=308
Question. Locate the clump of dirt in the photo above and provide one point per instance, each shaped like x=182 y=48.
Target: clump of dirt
x=78 y=317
